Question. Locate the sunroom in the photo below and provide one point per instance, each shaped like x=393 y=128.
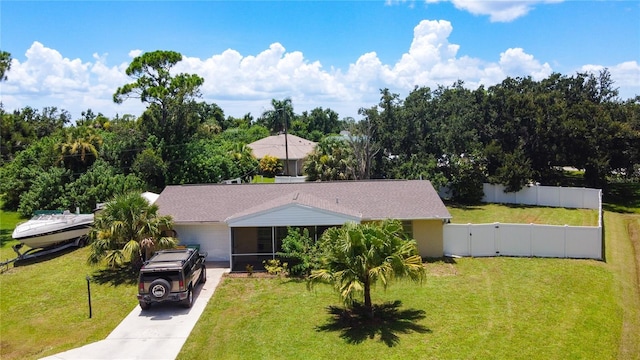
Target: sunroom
x=257 y=233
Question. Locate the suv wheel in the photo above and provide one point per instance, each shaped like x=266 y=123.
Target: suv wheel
x=203 y=275
x=160 y=289
x=188 y=302
x=144 y=305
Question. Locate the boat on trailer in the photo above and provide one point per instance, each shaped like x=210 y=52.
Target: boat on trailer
x=45 y=230
x=48 y=232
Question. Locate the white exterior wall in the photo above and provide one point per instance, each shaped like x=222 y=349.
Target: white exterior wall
x=212 y=238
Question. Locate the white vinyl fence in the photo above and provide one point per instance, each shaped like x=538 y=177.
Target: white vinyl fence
x=566 y=197
x=530 y=239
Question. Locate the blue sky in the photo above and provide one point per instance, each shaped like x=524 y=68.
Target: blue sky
x=333 y=54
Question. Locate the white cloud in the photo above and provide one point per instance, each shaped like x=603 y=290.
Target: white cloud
x=515 y=62
x=240 y=84
x=498 y=10
x=626 y=76
x=135 y=53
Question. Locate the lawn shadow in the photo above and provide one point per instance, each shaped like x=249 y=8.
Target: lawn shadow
x=456 y=205
x=437 y=260
x=120 y=275
x=356 y=325
x=5 y=237
x=42 y=258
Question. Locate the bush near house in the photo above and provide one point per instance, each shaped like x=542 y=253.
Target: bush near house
x=270 y=166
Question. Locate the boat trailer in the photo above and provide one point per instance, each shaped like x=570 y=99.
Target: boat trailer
x=38 y=252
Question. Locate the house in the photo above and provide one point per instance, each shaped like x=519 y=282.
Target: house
x=245 y=223
x=284 y=147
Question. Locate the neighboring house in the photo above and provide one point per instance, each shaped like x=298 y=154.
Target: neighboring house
x=245 y=224
x=294 y=148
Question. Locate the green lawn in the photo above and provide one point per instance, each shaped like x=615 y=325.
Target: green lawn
x=44 y=307
x=490 y=213
x=501 y=308
x=262 y=179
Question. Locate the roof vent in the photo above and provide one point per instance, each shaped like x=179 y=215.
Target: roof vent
x=295 y=197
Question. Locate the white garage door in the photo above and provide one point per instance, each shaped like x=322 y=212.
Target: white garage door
x=212 y=238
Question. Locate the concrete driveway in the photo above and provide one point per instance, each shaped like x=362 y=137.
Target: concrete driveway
x=157 y=333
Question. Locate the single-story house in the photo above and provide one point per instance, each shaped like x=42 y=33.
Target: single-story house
x=245 y=223
x=282 y=147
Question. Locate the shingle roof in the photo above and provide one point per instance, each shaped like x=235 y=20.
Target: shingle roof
x=298 y=148
x=299 y=198
x=372 y=200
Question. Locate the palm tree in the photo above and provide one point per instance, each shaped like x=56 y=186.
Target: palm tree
x=79 y=148
x=279 y=119
x=332 y=159
x=129 y=229
x=357 y=256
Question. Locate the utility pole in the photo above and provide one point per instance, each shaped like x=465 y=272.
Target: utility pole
x=286 y=146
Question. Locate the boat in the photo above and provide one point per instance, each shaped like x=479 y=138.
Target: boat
x=45 y=230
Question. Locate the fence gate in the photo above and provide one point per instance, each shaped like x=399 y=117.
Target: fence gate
x=484 y=240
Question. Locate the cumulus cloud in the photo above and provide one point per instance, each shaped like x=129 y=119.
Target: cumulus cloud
x=498 y=10
x=135 y=53
x=626 y=74
x=242 y=84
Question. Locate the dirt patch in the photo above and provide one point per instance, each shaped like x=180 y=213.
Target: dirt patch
x=255 y=275
x=441 y=269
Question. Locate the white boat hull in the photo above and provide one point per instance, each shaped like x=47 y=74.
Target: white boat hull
x=48 y=230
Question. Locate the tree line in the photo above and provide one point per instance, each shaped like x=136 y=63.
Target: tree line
x=514 y=133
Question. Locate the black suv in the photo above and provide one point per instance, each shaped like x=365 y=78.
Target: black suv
x=171 y=275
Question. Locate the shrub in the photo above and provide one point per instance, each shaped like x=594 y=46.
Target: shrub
x=274 y=267
x=270 y=166
x=301 y=251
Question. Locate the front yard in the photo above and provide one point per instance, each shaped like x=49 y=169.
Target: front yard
x=467 y=308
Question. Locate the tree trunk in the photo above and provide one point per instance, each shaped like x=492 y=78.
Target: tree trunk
x=367 y=297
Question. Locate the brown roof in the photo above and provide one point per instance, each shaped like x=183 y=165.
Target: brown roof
x=297 y=147
x=371 y=200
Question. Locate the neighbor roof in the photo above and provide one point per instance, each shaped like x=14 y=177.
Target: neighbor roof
x=298 y=148
x=367 y=200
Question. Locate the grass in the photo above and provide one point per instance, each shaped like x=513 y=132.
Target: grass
x=44 y=306
x=262 y=179
x=504 y=213
x=623 y=197
x=471 y=309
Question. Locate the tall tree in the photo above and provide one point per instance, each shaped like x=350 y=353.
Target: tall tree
x=79 y=147
x=172 y=115
x=363 y=147
x=278 y=119
x=355 y=257
x=5 y=64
